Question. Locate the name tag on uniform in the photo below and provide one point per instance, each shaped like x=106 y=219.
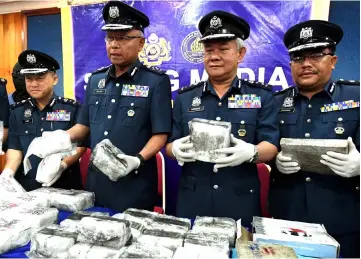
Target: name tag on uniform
x=135 y=90
x=350 y=104
x=27 y=121
x=58 y=115
x=244 y=101
x=100 y=91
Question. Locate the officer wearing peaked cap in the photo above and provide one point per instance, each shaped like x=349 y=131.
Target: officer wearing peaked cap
x=319 y=107
x=129 y=104
x=42 y=112
x=208 y=189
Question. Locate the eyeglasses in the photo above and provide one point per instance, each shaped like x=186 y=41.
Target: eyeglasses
x=121 y=39
x=314 y=57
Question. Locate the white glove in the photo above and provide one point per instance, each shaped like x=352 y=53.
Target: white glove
x=8 y=173
x=285 y=164
x=345 y=165
x=132 y=162
x=179 y=150
x=240 y=152
x=62 y=168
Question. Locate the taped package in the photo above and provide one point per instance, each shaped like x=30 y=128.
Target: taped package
x=104 y=231
x=247 y=249
x=171 y=223
x=135 y=227
x=54 y=241
x=208 y=136
x=104 y=158
x=68 y=200
x=209 y=241
x=72 y=222
x=88 y=251
x=218 y=225
x=7 y=205
x=9 y=186
x=164 y=238
x=138 y=250
x=143 y=217
x=199 y=253
x=13 y=233
x=27 y=199
x=307 y=152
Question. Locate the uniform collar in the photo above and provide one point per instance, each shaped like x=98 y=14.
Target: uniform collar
x=131 y=71
x=329 y=89
x=236 y=84
x=50 y=104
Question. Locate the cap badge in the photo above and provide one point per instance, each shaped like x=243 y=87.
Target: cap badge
x=30 y=58
x=114 y=12
x=306 y=33
x=215 y=22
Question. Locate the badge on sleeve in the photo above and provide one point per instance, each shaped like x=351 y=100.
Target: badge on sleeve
x=135 y=90
x=244 y=101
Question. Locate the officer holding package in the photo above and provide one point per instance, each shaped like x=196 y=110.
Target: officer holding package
x=230 y=187
x=43 y=112
x=128 y=104
x=319 y=107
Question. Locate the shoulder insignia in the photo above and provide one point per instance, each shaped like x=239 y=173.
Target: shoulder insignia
x=187 y=88
x=156 y=70
x=18 y=104
x=67 y=101
x=283 y=91
x=3 y=81
x=348 y=82
x=102 y=69
x=257 y=84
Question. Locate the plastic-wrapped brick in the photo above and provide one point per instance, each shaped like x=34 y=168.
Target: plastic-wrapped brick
x=137 y=250
x=72 y=222
x=13 y=234
x=88 y=251
x=164 y=238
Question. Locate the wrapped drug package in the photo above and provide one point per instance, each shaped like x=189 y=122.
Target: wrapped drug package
x=171 y=223
x=135 y=227
x=209 y=241
x=248 y=249
x=307 y=152
x=72 y=222
x=208 y=136
x=104 y=231
x=54 y=241
x=7 y=205
x=138 y=250
x=219 y=225
x=27 y=199
x=68 y=200
x=199 y=253
x=9 y=186
x=143 y=217
x=88 y=251
x=13 y=233
x=163 y=238
x=104 y=158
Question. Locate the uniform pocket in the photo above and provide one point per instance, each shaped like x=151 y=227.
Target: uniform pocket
x=244 y=124
x=287 y=124
x=132 y=111
x=97 y=107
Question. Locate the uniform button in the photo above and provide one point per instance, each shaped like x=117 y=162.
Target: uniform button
x=215 y=186
x=218 y=118
x=96 y=102
x=308 y=179
x=136 y=172
x=41 y=130
x=251 y=191
x=219 y=104
x=307 y=135
x=26 y=132
x=273 y=180
x=357 y=188
x=242 y=122
x=105 y=133
x=113 y=100
x=42 y=118
x=132 y=104
x=109 y=116
x=340 y=119
x=117 y=84
x=282 y=121
x=310 y=106
x=308 y=120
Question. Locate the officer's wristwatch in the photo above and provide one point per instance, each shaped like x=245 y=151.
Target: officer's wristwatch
x=141 y=158
x=255 y=155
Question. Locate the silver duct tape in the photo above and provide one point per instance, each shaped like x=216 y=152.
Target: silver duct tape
x=138 y=250
x=72 y=222
x=307 y=152
x=88 y=251
x=208 y=136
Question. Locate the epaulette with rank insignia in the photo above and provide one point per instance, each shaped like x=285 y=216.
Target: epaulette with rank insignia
x=257 y=84
x=156 y=70
x=67 y=101
x=348 y=82
x=187 y=88
x=101 y=69
x=17 y=104
x=3 y=81
x=283 y=90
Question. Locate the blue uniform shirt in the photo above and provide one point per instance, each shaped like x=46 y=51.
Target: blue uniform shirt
x=4 y=103
x=128 y=110
x=28 y=122
x=310 y=197
x=203 y=192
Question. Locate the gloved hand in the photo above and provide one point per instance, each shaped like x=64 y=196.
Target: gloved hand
x=62 y=168
x=345 y=165
x=239 y=152
x=179 y=150
x=8 y=173
x=285 y=164
x=132 y=162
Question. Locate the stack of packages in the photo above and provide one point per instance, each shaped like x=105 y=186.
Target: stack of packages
x=248 y=249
